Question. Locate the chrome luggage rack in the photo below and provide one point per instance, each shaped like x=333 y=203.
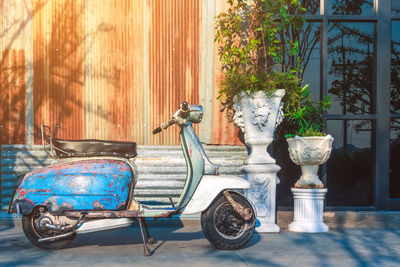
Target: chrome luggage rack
x=49 y=142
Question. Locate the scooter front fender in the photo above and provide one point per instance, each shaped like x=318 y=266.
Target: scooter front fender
x=209 y=188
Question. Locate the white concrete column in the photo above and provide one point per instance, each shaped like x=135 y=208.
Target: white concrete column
x=308 y=210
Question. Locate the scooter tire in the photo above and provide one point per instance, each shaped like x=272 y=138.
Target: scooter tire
x=33 y=236
x=221 y=224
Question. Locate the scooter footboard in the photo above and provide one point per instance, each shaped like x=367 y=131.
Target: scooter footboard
x=209 y=188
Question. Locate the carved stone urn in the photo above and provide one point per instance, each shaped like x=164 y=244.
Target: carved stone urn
x=309 y=152
x=309 y=192
x=257 y=115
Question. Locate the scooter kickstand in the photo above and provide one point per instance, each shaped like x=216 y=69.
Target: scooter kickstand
x=145 y=247
x=150 y=240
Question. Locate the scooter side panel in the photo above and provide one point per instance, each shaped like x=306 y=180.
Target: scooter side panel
x=92 y=184
x=209 y=188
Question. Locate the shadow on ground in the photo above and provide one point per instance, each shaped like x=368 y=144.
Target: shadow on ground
x=185 y=246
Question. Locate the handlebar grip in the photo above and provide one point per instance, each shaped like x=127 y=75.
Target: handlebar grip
x=157 y=130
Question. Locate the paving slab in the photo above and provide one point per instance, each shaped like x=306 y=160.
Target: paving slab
x=187 y=246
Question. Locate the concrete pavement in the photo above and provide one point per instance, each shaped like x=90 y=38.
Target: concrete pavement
x=187 y=246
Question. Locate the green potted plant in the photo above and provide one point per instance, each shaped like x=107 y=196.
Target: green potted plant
x=261 y=64
x=309 y=147
x=259 y=54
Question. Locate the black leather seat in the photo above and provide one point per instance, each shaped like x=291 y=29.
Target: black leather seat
x=93 y=147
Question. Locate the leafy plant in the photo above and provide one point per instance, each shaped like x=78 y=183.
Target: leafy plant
x=258 y=49
x=304 y=117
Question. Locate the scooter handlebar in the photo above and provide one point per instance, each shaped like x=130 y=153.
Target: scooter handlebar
x=157 y=130
x=163 y=126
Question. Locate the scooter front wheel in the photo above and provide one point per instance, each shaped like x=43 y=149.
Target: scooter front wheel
x=32 y=230
x=223 y=227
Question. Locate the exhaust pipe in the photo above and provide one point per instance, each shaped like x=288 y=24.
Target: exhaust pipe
x=54 y=238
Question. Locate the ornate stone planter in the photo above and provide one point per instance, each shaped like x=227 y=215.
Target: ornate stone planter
x=258 y=115
x=309 y=152
x=309 y=192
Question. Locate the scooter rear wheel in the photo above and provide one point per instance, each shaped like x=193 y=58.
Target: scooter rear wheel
x=223 y=227
x=33 y=233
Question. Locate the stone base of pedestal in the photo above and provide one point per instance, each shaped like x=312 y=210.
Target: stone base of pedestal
x=308 y=211
x=308 y=227
x=264 y=227
x=262 y=194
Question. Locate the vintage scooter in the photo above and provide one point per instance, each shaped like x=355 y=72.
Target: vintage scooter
x=91 y=187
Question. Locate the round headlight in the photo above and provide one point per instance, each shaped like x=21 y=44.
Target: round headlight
x=196 y=113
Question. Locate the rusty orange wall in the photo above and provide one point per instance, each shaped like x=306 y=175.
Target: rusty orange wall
x=174 y=61
x=12 y=83
x=105 y=69
x=224 y=132
x=114 y=99
x=89 y=66
x=59 y=67
x=12 y=97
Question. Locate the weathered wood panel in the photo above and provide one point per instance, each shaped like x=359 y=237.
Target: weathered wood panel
x=59 y=65
x=174 y=61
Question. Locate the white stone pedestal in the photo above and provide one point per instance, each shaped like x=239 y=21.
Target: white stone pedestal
x=308 y=211
x=262 y=194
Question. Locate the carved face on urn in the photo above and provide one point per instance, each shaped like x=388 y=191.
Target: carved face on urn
x=258 y=114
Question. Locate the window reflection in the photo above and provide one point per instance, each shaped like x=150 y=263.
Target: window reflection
x=350 y=167
x=351 y=7
x=309 y=52
x=351 y=67
x=394 y=189
x=395 y=7
x=312 y=6
x=310 y=55
x=395 y=69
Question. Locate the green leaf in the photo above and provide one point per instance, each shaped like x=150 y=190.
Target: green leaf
x=305 y=87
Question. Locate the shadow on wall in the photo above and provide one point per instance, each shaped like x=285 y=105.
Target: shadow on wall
x=55 y=76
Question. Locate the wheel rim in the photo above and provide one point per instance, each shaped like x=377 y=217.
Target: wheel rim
x=228 y=223
x=39 y=218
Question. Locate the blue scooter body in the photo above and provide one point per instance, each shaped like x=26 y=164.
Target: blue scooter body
x=85 y=184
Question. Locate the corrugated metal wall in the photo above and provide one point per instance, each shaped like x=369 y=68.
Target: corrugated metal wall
x=103 y=69
x=114 y=70
x=174 y=61
x=223 y=131
x=12 y=97
x=12 y=77
x=59 y=70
